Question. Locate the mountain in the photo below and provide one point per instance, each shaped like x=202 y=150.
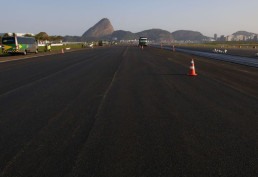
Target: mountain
x=152 y=34
x=100 y=30
x=103 y=30
x=158 y=35
x=124 y=35
x=186 y=35
x=72 y=39
x=244 y=33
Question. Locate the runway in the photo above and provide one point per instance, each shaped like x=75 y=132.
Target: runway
x=122 y=111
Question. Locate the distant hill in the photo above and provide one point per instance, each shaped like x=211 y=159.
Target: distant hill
x=102 y=29
x=124 y=35
x=72 y=39
x=244 y=33
x=186 y=35
x=157 y=35
x=152 y=34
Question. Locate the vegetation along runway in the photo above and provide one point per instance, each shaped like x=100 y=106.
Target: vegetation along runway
x=123 y=111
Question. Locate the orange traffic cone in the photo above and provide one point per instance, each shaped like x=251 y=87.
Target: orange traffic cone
x=192 y=69
x=62 y=50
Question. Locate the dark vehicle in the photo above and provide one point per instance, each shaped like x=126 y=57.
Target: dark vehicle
x=143 y=41
x=103 y=43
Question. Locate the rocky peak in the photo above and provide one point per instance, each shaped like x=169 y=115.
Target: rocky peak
x=100 y=29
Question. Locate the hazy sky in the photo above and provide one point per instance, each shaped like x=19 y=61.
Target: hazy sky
x=74 y=17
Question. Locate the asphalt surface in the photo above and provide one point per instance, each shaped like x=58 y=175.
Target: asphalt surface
x=202 y=52
x=123 y=111
x=253 y=62
x=234 y=51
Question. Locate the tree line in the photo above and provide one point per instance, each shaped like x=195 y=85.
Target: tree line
x=43 y=36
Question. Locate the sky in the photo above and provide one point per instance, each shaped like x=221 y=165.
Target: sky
x=74 y=17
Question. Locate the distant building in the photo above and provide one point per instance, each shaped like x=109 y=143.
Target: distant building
x=222 y=38
x=238 y=38
x=215 y=37
x=230 y=38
